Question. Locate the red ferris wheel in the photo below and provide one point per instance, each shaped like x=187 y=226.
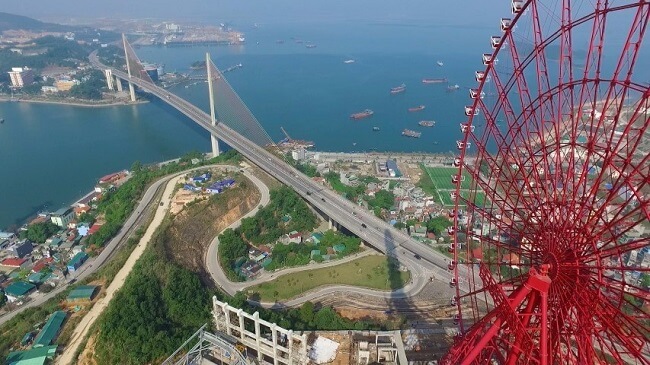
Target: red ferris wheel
x=551 y=255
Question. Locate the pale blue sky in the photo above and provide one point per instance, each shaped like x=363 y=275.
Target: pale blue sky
x=443 y=12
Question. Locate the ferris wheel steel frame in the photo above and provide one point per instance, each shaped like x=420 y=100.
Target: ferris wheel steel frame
x=567 y=303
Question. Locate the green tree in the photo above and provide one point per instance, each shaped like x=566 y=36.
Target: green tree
x=3 y=299
x=438 y=224
x=307 y=310
x=39 y=232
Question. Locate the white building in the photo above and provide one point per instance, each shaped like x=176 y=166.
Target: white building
x=62 y=216
x=21 y=76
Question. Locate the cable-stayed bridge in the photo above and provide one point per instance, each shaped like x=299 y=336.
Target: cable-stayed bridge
x=232 y=122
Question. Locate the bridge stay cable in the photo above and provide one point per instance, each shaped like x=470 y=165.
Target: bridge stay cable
x=231 y=110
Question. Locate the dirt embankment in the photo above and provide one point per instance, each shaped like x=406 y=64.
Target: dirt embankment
x=196 y=225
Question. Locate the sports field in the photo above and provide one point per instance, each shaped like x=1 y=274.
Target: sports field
x=441 y=177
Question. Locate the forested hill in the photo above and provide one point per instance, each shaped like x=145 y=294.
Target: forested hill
x=13 y=21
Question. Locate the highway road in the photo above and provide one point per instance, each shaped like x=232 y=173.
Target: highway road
x=379 y=234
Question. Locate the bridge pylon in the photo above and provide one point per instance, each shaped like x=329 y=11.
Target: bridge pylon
x=213 y=117
x=128 y=66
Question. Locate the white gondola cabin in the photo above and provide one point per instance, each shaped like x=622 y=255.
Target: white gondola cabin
x=495 y=41
x=452 y=282
x=470 y=110
x=453 y=196
x=487 y=59
x=464 y=128
x=517 y=6
x=453 y=301
x=479 y=75
x=456 y=318
x=451 y=231
x=505 y=23
x=457 y=162
x=462 y=145
x=452 y=213
x=452 y=265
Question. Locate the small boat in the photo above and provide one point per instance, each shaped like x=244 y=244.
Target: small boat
x=435 y=142
x=2 y=120
x=453 y=87
x=398 y=89
x=411 y=133
x=417 y=108
x=376 y=129
x=310 y=45
x=348 y=61
x=427 y=123
x=279 y=41
x=364 y=114
x=440 y=63
x=354 y=143
x=434 y=81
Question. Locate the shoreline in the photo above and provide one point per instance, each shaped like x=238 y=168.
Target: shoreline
x=72 y=103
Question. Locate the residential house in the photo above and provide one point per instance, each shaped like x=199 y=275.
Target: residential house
x=21 y=249
x=295 y=237
x=50 y=330
x=316 y=237
x=77 y=261
x=18 y=290
x=62 y=216
x=15 y=263
x=201 y=178
x=36 y=356
x=7 y=235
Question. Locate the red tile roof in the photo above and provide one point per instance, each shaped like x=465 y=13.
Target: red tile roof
x=40 y=264
x=13 y=262
x=95 y=227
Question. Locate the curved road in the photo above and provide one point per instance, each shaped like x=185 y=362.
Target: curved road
x=418 y=279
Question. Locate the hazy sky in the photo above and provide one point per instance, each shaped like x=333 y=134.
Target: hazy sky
x=447 y=12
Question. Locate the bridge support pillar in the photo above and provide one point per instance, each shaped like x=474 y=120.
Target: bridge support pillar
x=132 y=91
x=333 y=225
x=118 y=83
x=109 y=79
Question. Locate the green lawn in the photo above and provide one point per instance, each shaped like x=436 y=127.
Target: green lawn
x=370 y=272
x=440 y=178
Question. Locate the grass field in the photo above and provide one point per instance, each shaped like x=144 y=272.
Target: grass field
x=440 y=177
x=369 y=272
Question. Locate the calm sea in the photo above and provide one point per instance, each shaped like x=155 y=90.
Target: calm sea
x=51 y=155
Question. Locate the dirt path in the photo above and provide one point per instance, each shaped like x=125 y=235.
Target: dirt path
x=82 y=328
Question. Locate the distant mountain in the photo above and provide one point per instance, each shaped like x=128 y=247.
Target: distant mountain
x=13 y=21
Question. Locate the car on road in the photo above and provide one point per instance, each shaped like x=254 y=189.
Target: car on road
x=72 y=281
x=417 y=256
x=161 y=204
x=364 y=225
x=309 y=193
x=323 y=199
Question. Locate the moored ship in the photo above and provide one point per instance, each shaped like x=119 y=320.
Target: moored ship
x=398 y=89
x=417 y=108
x=364 y=114
x=427 y=123
x=411 y=133
x=434 y=81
